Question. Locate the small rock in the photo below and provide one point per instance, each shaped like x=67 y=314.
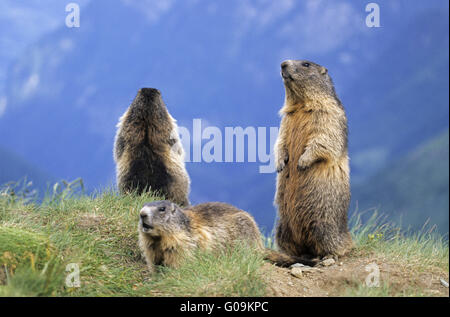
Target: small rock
x=290 y=283
x=297 y=272
x=328 y=262
x=443 y=282
x=298 y=265
x=305 y=268
x=341 y=263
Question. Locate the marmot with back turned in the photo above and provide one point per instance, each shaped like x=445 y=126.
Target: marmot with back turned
x=168 y=234
x=148 y=152
x=313 y=182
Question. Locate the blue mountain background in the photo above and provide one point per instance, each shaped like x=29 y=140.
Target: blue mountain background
x=63 y=89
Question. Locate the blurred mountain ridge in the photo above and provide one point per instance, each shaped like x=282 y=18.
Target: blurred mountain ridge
x=220 y=62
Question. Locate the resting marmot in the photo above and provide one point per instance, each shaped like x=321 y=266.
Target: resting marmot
x=313 y=182
x=167 y=233
x=147 y=150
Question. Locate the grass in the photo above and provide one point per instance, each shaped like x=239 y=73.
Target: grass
x=234 y=272
x=422 y=250
x=409 y=253
x=98 y=233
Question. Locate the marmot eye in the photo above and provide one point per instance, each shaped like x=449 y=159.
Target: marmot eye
x=162 y=209
x=306 y=64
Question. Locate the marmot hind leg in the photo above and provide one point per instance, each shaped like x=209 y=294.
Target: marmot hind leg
x=285 y=241
x=327 y=242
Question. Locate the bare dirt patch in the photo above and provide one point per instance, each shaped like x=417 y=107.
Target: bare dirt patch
x=91 y=221
x=349 y=274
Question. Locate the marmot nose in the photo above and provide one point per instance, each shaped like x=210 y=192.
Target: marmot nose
x=148 y=92
x=143 y=214
x=284 y=65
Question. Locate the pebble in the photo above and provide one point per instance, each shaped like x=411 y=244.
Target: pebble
x=328 y=262
x=443 y=282
x=299 y=265
x=297 y=272
x=305 y=268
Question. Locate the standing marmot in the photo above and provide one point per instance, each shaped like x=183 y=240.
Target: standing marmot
x=313 y=183
x=167 y=233
x=147 y=150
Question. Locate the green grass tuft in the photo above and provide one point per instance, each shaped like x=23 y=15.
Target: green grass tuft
x=422 y=250
x=27 y=281
x=18 y=245
x=232 y=272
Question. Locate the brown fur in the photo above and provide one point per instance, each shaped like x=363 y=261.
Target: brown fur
x=148 y=152
x=313 y=183
x=173 y=234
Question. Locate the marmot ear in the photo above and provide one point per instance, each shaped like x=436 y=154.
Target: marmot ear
x=323 y=70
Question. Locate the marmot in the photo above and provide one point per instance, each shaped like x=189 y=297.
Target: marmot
x=313 y=182
x=148 y=152
x=168 y=234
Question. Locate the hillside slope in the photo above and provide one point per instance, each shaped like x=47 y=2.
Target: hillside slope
x=13 y=168
x=401 y=100
x=413 y=189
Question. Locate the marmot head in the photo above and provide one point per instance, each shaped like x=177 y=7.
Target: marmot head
x=148 y=96
x=305 y=81
x=147 y=110
x=148 y=105
x=162 y=217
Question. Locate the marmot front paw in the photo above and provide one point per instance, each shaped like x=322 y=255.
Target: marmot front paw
x=282 y=163
x=304 y=163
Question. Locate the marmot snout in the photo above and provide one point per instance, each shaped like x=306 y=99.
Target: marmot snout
x=162 y=218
